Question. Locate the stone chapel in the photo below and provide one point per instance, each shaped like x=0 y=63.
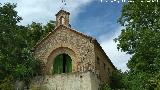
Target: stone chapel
x=70 y=60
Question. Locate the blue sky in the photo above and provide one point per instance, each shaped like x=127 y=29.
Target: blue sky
x=92 y=17
x=100 y=17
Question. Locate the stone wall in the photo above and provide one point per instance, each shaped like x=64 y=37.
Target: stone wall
x=59 y=16
x=72 y=81
x=103 y=65
x=80 y=49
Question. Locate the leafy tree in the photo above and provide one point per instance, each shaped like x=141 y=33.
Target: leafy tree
x=116 y=80
x=37 y=31
x=141 y=39
x=7 y=83
x=16 y=41
x=105 y=87
x=15 y=57
x=49 y=27
x=34 y=33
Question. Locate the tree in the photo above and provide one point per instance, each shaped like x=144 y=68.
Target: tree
x=16 y=41
x=16 y=60
x=36 y=31
x=141 y=39
x=117 y=80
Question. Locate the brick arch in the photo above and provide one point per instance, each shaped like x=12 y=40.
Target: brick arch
x=58 y=51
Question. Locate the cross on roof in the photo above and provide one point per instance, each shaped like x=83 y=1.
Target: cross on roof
x=63 y=4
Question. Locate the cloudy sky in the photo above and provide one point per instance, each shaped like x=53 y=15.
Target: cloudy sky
x=92 y=17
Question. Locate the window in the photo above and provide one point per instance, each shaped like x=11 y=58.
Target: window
x=97 y=60
x=62 y=20
x=108 y=70
x=104 y=65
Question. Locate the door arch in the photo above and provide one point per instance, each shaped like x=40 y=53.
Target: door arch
x=62 y=64
x=61 y=50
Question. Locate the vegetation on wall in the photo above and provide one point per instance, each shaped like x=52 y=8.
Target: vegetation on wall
x=16 y=42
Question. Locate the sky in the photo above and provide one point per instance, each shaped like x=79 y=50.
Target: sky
x=96 y=18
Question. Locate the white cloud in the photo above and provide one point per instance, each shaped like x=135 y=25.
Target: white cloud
x=45 y=10
x=118 y=58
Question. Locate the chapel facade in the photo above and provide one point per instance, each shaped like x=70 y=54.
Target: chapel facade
x=69 y=56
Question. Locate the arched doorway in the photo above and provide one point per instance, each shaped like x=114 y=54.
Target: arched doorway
x=62 y=64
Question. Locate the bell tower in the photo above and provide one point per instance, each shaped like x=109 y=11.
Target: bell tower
x=62 y=18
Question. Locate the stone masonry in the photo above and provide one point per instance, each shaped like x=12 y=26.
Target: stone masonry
x=71 y=81
x=85 y=52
